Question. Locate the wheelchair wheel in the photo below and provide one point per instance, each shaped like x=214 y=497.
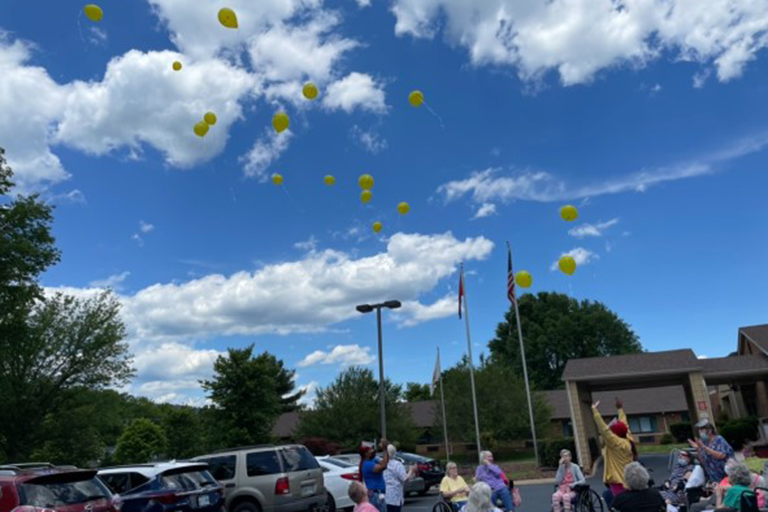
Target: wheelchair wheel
x=589 y=501
x=442 y=506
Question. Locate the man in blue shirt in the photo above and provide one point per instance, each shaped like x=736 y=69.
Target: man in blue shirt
x=372 y=473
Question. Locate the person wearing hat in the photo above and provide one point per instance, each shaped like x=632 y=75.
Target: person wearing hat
x=714 y=451
x=673 y=490
x=619 y=451
x=372 y=474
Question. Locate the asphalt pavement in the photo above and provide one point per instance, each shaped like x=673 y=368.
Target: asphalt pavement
x=538 y=497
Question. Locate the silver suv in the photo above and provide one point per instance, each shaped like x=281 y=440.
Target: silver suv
x=268 y=478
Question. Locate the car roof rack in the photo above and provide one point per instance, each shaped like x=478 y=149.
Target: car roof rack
x=240 y=448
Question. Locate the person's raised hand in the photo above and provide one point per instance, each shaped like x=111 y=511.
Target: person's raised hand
x=596 y=404
x=619 y=403
x=693 y=443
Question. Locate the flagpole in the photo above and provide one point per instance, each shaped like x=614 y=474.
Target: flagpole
x=445 y=421
x=471 y=364
x=525 y=370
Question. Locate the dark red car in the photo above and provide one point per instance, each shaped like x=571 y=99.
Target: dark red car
x=43 y=487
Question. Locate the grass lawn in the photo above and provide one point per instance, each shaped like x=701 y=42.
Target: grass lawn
x=756 y=464
x=517 y=470
x=660 y=448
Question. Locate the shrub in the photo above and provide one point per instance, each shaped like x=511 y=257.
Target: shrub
x=667 y=438
x=739 y=432
x=319 y=446
x=681 y=431
x=549 y=451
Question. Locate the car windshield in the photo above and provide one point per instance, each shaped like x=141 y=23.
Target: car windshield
x=412 y=457
x=57 y=494
x=339 y=463
x=187 y=480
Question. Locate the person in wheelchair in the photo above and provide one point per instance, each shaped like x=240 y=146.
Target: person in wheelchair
x=453 y=489
x=480 y=499
x=568 y=476
x=638 y=497
x=740 y=480
x=673 y=490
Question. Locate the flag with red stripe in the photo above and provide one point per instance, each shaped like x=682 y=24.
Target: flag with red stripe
x=510 y=277
x=461 y=288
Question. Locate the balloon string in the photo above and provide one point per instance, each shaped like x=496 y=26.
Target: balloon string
x=429 y=109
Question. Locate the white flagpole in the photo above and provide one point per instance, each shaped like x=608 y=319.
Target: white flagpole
x=442 y=401
x=471 y=364
x=525 y=370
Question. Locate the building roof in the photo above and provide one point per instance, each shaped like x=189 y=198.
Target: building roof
x=733 y=365
x=670 y=361
x=286 y=425
x=758 y=334
x=636 y=401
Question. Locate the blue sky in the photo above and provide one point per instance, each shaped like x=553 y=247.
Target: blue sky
x=652 y=121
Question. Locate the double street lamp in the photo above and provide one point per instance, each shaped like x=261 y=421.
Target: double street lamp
x=368 y=308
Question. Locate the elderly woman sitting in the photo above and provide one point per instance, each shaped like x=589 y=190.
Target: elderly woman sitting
x=639 y=497
x=674 y=488
x=740 y=480
x=568 y=476
x=480 y=499
x=454 y=488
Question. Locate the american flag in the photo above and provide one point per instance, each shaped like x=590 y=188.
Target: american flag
x=510 y=277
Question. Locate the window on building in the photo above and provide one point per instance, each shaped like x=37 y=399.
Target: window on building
x=568 y=428
x=642 y=424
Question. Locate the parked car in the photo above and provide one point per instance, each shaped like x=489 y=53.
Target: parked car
x=165 y=486
x=268 y=478
x=429 y=469
x=58 y=488
x=337 y=474
x=415 y=485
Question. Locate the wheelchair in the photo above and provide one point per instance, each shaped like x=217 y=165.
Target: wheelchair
x=586 y=499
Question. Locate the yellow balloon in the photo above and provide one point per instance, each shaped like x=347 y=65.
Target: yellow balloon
x=569 y=213
x=201 y=129
x=366 y=182
x=377 y=226
x=416 y=98
x=281 y=122
x=567 y=265
x=310 y=91
x=366 y=196
x=210 y=118
x=403 y=208
x=277 y=179
x=228 y=18
x=177 y=66
x=329 y=180
x=93 y=12
x=523 y=279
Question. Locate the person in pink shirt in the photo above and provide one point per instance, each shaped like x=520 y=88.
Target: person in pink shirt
x=359 y=496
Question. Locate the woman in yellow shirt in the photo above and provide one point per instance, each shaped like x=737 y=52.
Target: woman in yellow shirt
x=454 y=488
x=619 y=450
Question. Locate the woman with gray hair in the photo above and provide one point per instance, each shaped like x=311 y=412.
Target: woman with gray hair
x=568 y=476
x=740 y=479
x=453 y=487
x=491 y=474
x=638 y=497
x=480 y=499
x=394 y=478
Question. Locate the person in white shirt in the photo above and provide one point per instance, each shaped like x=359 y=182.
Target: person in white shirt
x=395 y=477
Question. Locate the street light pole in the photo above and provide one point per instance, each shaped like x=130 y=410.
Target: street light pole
x=368 y=308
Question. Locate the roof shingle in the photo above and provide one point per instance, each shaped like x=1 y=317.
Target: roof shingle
x=628 y=364
x=636 y=401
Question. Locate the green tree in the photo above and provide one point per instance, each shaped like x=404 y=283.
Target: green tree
x=249 y=393
x=557 y=328
x=142 y=441
x=347 y=411
x=182 y=429
x=415 y=392
x=501 y=403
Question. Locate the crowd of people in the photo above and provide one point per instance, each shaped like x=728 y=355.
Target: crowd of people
x=706 y=477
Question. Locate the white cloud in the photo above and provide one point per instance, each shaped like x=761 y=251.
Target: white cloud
x=414 y=312
x=307 y=245
x=579 y=38
x=369 y=140
x=175 y=360
x=264 y=153
x=138 y=239
x=305 y=295
x=490 y=186
x=310 y=393
x=114 y=281
x=356 y=90
x=97 y=36
x=485 y=210
x=145 y=227
x=364 y=3
x=580 y=255
x=343 y=355
x=598 y=229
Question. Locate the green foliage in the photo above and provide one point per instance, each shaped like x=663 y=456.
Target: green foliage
x=142 y=441
x=557 y=328
x=549 y=451
x=183 y=432
x=681 y=431
x=501 y=402
x=249 y=394
x=347 y=412
x=667 y=438
x=415 y=392
x=740 y=431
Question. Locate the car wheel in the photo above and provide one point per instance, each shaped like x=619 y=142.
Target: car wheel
x=330 y=505
x=246 y=506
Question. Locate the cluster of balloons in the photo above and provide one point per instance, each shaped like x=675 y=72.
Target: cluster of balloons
x=201 y=128
x=567 y=264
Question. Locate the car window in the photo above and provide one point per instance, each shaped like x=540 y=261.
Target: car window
x=262 y=463
x=51 y=494
x=186 y=480
x=222 y=468
x=117 y=482
x=298 y=458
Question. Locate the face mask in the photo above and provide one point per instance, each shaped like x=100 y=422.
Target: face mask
x=682 y=462
x=703 y=435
